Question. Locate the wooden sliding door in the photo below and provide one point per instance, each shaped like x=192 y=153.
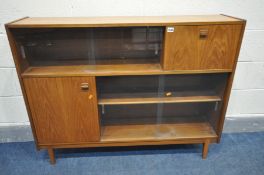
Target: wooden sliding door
x=205 y=47
x=64 y=110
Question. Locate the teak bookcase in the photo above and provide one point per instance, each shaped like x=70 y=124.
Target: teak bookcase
x=126 y=81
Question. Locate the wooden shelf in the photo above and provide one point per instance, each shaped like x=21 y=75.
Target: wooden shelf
x=155 y=132
x=153 y=100
x=108 y=70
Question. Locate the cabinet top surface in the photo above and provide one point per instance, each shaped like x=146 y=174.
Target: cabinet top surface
x=31 y=22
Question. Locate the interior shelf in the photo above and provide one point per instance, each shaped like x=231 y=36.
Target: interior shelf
x=152 y=100
x=103 y=70
x=152 y=132
x=108 y=70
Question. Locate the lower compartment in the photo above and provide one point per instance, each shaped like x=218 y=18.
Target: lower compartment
x=160 y=107
x=122 y=123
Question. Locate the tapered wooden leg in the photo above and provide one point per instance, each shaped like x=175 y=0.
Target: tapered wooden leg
x=218 y=139
x=205 y=148
x=52 y=156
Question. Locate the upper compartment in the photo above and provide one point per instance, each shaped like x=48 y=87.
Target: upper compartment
x=92 y=46
x=105 y=46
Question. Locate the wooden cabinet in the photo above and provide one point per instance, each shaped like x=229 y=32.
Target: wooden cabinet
x=201 y=47
x=123 y=81
x=64 y=110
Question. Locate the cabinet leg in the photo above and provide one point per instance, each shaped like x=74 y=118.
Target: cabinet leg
x=52 y=156
x=218 y=139
x=205 y=148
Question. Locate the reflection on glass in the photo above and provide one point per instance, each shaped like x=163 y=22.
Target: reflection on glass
x=142 y=104
x=116 y=45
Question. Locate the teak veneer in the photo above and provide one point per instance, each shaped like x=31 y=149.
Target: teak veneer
x=109 y=70
x=126 y=81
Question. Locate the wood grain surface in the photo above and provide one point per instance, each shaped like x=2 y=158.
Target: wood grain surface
x=118 y=21
x=185 y=50
x=62 y=111
x=109 y=70
x=151 y=132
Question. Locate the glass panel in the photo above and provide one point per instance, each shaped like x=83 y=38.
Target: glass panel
x=132 y=107
x=147 y=113
x=160 y=106
x=161 y=86
x=66 y=46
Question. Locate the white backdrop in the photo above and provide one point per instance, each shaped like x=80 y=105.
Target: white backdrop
x=247 y=97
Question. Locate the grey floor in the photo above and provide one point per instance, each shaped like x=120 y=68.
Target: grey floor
x=240 y=153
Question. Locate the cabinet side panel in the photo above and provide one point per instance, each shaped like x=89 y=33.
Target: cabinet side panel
x=61 y=111
x=20 y=66
x=180 y=48
x=229 y=84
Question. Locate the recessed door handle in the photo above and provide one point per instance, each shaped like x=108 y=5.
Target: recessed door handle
x=168 y=94
x=84 y=86
x=203 y=34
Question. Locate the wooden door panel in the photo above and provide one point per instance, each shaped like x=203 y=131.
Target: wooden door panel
x=62 y=112
x=184 y=49
x=218 y=50
x=180 y=51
